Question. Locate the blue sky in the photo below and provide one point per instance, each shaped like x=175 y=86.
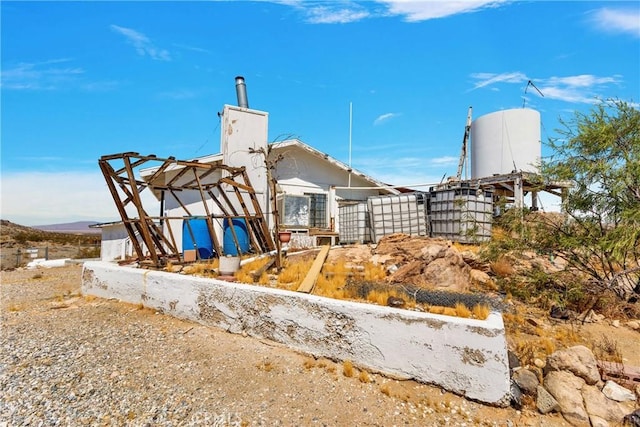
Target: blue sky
x=85 y=79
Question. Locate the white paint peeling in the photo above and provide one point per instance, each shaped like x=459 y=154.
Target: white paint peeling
x=465 y=356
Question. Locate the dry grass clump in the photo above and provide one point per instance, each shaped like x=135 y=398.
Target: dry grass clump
x=246 y=274
x=266 y=366
x=347 y=368
x=309 y=364
x=502 y=267
x=381 y=296
x=15 y=307
x=293 y=274
x=331 y=283
x=374 y=272
x=462 y=310
x=385 y=389
x=364 y=377
x=205 y=269
x=481 y=311
x=529 y=348
x=607 y=349
x=567 y=336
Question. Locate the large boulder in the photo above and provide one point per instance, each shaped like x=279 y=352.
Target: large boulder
x=566 y=389
x=526 y=380
x=578 y=360
x=596 y=403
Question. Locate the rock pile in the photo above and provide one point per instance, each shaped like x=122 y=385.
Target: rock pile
x=428 y=262
x=570 y=383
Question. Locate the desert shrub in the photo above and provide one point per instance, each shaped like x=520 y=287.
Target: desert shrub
x=88 y=252
x=607 y=349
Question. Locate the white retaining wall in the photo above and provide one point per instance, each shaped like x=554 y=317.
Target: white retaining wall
x=464 y=356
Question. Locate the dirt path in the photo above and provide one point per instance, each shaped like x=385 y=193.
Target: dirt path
x=76 y=360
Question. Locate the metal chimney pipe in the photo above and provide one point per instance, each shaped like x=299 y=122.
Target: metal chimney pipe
x=241 y=92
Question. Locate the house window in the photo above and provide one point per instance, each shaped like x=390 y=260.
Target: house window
x=294 y=210
x=317 y=210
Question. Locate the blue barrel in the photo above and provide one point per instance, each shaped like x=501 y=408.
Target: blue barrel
x=195 y=235
x=240 y=228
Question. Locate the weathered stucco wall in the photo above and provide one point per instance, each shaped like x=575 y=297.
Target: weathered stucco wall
x=465 y=356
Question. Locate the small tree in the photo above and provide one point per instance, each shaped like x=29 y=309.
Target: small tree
x=599 y=154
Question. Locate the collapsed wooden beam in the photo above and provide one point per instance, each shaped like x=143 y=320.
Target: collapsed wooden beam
x=311 y=278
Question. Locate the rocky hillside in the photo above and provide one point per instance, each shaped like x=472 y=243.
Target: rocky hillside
x=15 y=234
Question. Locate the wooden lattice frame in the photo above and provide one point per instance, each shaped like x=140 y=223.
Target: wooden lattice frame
x=162 y=248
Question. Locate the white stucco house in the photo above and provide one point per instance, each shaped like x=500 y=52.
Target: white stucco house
x=311 y=186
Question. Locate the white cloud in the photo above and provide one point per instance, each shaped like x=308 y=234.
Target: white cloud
x=580 y=81
x=342 y=12
x=415 y=10
x=191 y=48
x=384 y=118
x=618 y=20
x=329 y=15
x=36 y=198
x=142 y=43
x=39 y=75
x=488 y=79
x=444 y=161
x=582 y=88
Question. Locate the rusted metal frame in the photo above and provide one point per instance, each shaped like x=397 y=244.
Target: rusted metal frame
x=229 y=218
x=143 y=225
x=118 y=156
x=223 y=193
x=176 y=252
x=107 y=171
x=236 y=242
x=140 y=161
x=193 y=238
x=125 y=185
x=160 y=170
x=247 y=213
x=223 y=210
x=180 y=174
x=235 y=184
x=140 y=186
x=270 y=244
x=161 y=239
x=198 y=179
x=212 y=232
x=182 y=205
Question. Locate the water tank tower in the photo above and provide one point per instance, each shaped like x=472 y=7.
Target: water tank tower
x=505 y=141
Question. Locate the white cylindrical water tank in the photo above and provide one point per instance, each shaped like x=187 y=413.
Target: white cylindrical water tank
x=504 y=142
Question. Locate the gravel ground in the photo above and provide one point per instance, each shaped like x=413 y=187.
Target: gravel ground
x=71 y=360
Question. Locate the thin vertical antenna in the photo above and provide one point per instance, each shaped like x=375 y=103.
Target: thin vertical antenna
x=350 y=130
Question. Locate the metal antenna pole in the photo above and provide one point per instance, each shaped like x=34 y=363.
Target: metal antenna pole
x=350 y=131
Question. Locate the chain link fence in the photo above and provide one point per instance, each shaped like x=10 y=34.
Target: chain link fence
x=12 y=257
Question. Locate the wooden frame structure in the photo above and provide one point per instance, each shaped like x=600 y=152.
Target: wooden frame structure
x=231 y=193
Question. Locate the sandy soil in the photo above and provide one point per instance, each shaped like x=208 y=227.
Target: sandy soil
x=173 y=372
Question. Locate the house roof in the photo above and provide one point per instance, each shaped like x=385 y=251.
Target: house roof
x=281 y=145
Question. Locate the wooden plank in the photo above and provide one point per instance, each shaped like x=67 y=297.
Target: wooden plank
x=258 y=273
x=312 y=275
